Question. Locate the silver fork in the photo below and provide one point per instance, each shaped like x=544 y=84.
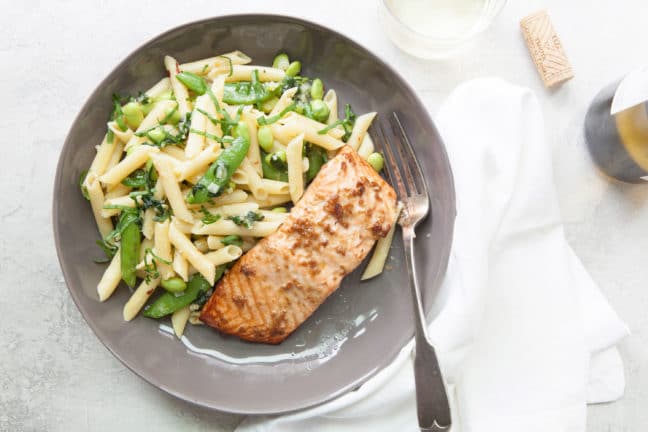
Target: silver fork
x=431 y=398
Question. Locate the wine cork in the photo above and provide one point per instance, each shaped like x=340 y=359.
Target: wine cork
x=546 y=49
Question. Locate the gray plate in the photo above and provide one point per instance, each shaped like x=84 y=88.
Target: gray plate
x=356 y=332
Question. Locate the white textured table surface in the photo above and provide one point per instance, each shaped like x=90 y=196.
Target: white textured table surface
x=56 y=376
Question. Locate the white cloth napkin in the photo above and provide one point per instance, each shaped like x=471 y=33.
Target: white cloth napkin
x=524 y=335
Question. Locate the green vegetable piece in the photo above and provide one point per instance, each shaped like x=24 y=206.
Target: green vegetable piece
x=280 y=210
x=130 y=244
x=317 y=89
x=261 y=120
x=266 y=140
x=277 y=159
x=316 y=158
x=268 y=105
x=376 y=161
x=208 y=217
x=232 y=240
x=133 y=114
x=172 y=116
x=281 y=61
x=320 y=110
x=167 y=95
x=168 y=302
x=193 y=82
x=217 y=177
x=293 y=69
x=84 y=190
x=247 y=93
x=174 y=285
x=156 y=135
x=271 y=172
x=248 y=219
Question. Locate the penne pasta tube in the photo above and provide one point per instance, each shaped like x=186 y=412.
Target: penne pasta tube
x=123 y=136
x=179 y=320
x=215 y=242
x=180 y=265
x=162 y=248
x=115 y=157
x=95 y=193
x=292 y=125
x=204 y=66
x=233 y=209
x=366 y=147
x=129 y=164
x=175 y=152
x=240 y=177
x=197 y=164
x=226 y=227
x=272 y=216
x=381 y=251
x=271 y=200
x=159 y=88
x=248 y=243
x=146 y=244
x=295 y=173
x=254 y=181
x=276 y=187
x=195 y=141
x=254 y=153
x=360 y=128
x=234 y=197
x=244 y=73
x=191 y=254
x=139 y=298
x=180 y=91
x=224 y=255
x=117 y=190
x=284 y=101
x=201 y=245
x=122 y=201
x=101 y=159
x=330 y=99
x=157 y=115
x=110 y=279
x=165 y=170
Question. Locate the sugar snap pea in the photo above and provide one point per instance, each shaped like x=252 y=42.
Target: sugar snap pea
x=217 y=177
x=130 y=244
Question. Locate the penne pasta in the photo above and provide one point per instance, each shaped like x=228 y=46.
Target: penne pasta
x=295 y=171
x=270 y=201
x=284 y=101
x=204 y=66
x=122 y=201
x=226 y=227
x=171 y=188
x=115 y=157
x=139 y=298
x=366 y=147
x=179 y=320
x=215 y=242
x=162 y=248
x=130 y=163
x=101 y=159
x=95 y=193
x=244 y=73
x=117 y=190
x=381 y=251
x=233 y=209
x=254 y=153
x=273 y=216
x=123 y=136
x=254 y=181
x=179 y=90
x=224 y=255
x=175 y=152
x=201 y=245
x=330 y=99
x=360 y=128
x=159 y=88
x=110 y=279
x=191 y=254
x=197 y=164
x=293 y=124
x=276 y=187
x=196 y=141
x=180 y=265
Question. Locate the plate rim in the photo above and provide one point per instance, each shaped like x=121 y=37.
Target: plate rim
x=58 y=184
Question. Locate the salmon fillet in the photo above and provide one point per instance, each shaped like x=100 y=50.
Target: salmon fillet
x=280 y=282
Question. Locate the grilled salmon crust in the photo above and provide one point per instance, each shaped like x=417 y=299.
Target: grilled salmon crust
x=280 y=282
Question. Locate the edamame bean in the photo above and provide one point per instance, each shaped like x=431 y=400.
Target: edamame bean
x=281 y=61
x=133 y=114
x=316 y=158
x=293 y=69
x=320 y=111
x=156 y=135
x=272 y=173
x=317 y=89
x=174 y=285
x=376 y=161
x=276 y=159
x=217 y=177
x=266 y=140
x=280 y=210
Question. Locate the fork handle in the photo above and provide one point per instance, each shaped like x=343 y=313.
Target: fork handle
x=432 y=404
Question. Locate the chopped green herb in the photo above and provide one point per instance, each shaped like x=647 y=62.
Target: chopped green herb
x=231 y=66
x=150 y=264
x=232 y=240
x=208 y=218
x=262 y=121
x=347 y=123
x=247 y=220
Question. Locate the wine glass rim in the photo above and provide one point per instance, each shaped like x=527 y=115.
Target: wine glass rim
x=493 y=15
